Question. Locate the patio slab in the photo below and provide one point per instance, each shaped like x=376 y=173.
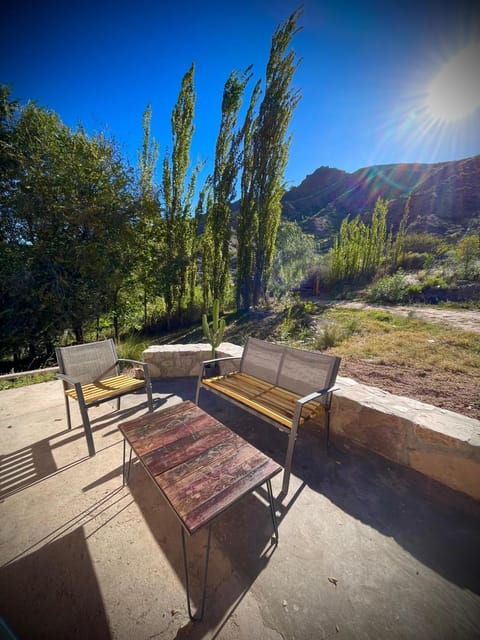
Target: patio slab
x=368 y=549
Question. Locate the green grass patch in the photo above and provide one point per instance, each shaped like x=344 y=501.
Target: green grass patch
x=24 y=381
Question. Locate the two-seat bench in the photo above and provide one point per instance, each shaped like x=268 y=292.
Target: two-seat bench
x=282 y=385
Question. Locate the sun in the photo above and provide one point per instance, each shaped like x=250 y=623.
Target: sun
x=454 y=93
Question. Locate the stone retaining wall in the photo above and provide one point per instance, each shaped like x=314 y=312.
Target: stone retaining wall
x=441 y=444
x=179 y=360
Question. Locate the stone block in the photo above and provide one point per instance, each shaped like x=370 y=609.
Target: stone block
x=183 y=360
x=370 y=426
x=451 y=469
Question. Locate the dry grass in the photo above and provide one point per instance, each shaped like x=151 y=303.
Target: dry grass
x=390 y=339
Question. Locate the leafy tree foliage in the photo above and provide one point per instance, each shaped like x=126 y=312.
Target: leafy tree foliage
x=359 y=250
x=65 y=224
x=467 y=253
x=247 y=219
x=294 y=254
x=177 y=194
x=215 y=262
x=265 y=161
x=83 y=238
x=150 y=242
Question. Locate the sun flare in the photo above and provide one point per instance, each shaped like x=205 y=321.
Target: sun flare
x=454 y=92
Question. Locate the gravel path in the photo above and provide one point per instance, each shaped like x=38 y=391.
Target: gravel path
x=467 y=320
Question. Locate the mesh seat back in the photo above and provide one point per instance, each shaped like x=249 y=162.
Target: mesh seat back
x=306 y=371
x=262 y=359
x=88 y=362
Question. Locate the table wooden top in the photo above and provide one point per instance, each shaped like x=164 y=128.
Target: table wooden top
x=200 y=465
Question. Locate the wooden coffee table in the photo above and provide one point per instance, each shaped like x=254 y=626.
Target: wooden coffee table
x=200 y=466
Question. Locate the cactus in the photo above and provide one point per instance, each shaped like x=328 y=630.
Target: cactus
x=214 y=332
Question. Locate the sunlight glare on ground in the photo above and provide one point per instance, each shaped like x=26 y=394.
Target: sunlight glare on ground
x=454 y=92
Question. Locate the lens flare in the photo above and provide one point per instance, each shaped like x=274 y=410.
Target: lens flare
x=454 y=92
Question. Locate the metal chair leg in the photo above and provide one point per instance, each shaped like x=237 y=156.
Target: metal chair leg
x=292 y=438
x=199 y=614
x=67 y=407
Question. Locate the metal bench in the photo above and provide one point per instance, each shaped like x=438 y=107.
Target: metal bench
x=282 y=385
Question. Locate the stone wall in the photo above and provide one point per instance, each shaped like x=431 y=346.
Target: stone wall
x=440 y=444
x=180 y=360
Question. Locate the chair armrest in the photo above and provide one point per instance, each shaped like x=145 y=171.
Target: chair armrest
x=131 y=361
x=222 y=359
x=215 y=360
x=315 y=394
x=65 y=378
x=144 y=365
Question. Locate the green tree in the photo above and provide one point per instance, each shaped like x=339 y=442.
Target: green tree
x=294 y=255
x=359 y=249
x=467 y=253
x=177 y=194
x=149 y=244
x=215 y=262
x=266 y=155
x=66 y=213
x=271 y=149
x=247 y=218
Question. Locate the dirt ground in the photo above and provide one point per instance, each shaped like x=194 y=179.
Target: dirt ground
x=454 y=392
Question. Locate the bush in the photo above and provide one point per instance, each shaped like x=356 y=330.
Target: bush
x=391 y=289
x=411 y=261
x=423 y=243
x=332 y=335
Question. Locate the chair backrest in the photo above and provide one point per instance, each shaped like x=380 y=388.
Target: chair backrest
x=296 y=370
x=88 y=362
x=262 y=359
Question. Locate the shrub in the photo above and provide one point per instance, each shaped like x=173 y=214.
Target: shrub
x=423 y=243
x=411 y=261
x=333 y=334
x=391 y=289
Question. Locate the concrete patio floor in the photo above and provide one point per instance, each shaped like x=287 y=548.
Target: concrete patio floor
x=367 y=549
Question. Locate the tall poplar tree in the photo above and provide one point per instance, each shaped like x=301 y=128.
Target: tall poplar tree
x=148 y=214
x=215 y=259
x=270 y=155
x=247 y=218
x=177 y=194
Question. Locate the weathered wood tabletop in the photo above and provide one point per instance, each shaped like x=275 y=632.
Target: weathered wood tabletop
x=199 y=465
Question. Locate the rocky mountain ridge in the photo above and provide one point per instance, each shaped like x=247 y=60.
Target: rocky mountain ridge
x=444 y=197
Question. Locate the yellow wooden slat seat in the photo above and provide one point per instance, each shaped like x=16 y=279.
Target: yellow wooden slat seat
x=273 y=402
x=108 y=388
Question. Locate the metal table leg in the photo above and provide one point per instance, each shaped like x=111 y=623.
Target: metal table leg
x=199 y=615
x=272 y=511
x=126 y=474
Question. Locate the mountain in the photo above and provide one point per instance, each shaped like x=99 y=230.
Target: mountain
x=444 y=197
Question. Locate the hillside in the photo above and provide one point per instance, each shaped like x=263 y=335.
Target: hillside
x=444 y=197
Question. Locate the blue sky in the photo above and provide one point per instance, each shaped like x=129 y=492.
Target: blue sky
x=364 y=75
